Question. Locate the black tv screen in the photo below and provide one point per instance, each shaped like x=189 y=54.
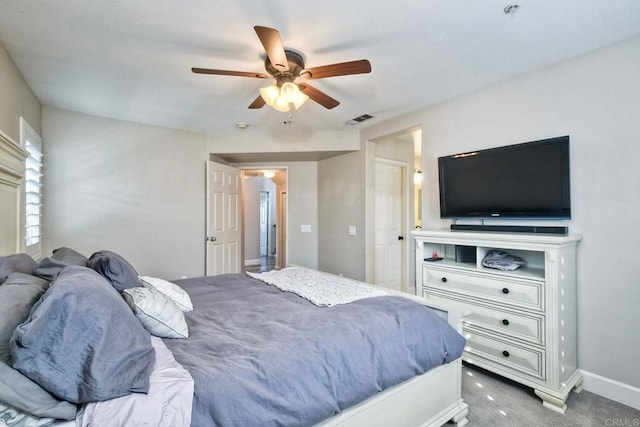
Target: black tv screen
x=526 y=181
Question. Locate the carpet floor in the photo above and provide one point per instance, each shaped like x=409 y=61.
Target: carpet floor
x=495 y=401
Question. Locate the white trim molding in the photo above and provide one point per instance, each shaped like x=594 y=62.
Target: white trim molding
x=611 y=389
x=12 y=167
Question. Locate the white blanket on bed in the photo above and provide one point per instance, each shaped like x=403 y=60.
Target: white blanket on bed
x=322 y=289
x=168 y=403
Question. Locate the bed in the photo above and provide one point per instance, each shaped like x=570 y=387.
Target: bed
x=293 y=352
x=246 y=352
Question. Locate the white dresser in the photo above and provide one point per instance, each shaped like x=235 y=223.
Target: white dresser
x=520 y=324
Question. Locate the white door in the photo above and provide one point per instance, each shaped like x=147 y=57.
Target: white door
x=389 y=238
x=222 y=250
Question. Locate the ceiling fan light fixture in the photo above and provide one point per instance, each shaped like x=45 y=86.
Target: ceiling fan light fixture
x=289 y=91
x=281 y=104
x=299 y=99
x=280 y=97
x=270 y=94
x=291 y=94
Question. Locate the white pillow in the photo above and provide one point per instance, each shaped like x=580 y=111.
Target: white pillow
x=157 y=313
x=168 y=403
x=173 y=291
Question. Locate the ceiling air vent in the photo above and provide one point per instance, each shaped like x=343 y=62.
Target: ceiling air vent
x=359 y=119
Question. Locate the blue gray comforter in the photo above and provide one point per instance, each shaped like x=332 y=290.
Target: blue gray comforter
x=263 y=357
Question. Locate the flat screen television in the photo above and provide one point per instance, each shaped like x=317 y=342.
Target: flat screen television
x=521 y=181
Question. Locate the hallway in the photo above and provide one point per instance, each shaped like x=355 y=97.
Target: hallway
x=267 y=263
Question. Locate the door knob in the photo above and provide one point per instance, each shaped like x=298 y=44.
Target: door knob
x=210 y=239
x=400 y=237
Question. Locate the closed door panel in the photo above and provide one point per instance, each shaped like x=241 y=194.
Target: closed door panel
x=388 y=225
x=223 y=220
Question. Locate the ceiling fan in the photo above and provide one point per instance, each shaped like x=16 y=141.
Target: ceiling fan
x=288 y=69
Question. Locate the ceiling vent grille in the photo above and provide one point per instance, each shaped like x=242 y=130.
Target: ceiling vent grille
x=359 y=119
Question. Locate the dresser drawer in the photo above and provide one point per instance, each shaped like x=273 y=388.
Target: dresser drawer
x=506 y=355
x=504 y=289
x=524 y=326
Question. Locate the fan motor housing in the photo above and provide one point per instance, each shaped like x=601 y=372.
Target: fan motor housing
x=295 y=62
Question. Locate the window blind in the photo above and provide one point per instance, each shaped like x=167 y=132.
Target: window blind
x=33 y=194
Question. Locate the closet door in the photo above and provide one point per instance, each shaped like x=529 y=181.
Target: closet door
x=389 y=238
x=222 y=240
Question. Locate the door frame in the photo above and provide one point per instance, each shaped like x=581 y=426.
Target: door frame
x=282 y=255
x=370 y=154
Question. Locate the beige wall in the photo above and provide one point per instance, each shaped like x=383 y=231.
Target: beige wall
x=594 y=99
x=134 y=189
x=341 y=203
x=139 y=190
x=302 y=199
x=16 y=99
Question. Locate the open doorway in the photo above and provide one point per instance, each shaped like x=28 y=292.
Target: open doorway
x=264 y=235
x=394 y=182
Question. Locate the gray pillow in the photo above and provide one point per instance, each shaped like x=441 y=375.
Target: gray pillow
x=17 y=296
x=48 y=268
x=82 y=343
x=69 y=256
x=116 y=269
x=17 y=263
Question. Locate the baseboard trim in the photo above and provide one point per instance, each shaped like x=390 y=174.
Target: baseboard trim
x=252 y=261
x=611 y=389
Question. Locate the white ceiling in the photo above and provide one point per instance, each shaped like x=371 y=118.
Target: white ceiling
x=131 y=59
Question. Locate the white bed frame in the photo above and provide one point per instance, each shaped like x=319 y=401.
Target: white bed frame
x=430 y=399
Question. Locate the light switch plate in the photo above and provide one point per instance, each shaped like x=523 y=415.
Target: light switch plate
x=305 y=228
x=352 y=230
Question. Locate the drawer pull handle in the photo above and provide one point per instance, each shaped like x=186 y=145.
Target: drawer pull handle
x=444 y=280
x=505 y=353
x=505 y=322
x=505 y=290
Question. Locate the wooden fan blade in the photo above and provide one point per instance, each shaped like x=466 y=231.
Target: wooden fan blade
x=229 y=73
x=361 y=66
x=257 y=103
x=270 y=39
x=320 y=97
